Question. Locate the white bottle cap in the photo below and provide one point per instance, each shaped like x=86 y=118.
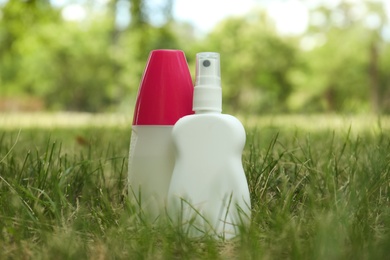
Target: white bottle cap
x=207 y=92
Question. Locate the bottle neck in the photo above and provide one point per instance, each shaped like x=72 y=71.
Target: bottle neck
x=207 y=112
x=207 y=99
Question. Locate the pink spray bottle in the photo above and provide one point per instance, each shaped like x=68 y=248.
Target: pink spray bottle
x=164 y=96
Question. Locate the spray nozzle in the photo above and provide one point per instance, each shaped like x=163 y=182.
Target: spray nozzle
x=207 y=91
x=208 y=70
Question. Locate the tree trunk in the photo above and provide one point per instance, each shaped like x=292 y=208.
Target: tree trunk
x=373 y=78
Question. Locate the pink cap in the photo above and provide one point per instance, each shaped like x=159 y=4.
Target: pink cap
x=166 y=90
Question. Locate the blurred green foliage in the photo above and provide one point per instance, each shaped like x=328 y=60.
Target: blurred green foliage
x=340 y=64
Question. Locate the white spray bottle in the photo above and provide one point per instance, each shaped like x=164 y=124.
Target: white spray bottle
x=209 y=191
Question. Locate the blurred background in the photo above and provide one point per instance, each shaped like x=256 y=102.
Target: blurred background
x=280 y=56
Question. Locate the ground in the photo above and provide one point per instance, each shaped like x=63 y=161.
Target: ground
x=319 y=189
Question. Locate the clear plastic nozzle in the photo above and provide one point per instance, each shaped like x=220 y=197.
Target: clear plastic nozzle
x=207 y=91
x=208 y=70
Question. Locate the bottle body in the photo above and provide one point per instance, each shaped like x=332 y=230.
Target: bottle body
x=209 y=191
x=151 y=162
x=164 y=96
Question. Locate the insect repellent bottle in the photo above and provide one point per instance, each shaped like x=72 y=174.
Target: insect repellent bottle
x=209 y=191
x=164 y=96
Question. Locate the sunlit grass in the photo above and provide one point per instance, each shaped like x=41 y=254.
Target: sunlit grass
x=63 y=120
x=318 y=192
x=315 y=122
x=321 y=122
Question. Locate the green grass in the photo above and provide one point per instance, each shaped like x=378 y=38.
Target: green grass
x=315 y=195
